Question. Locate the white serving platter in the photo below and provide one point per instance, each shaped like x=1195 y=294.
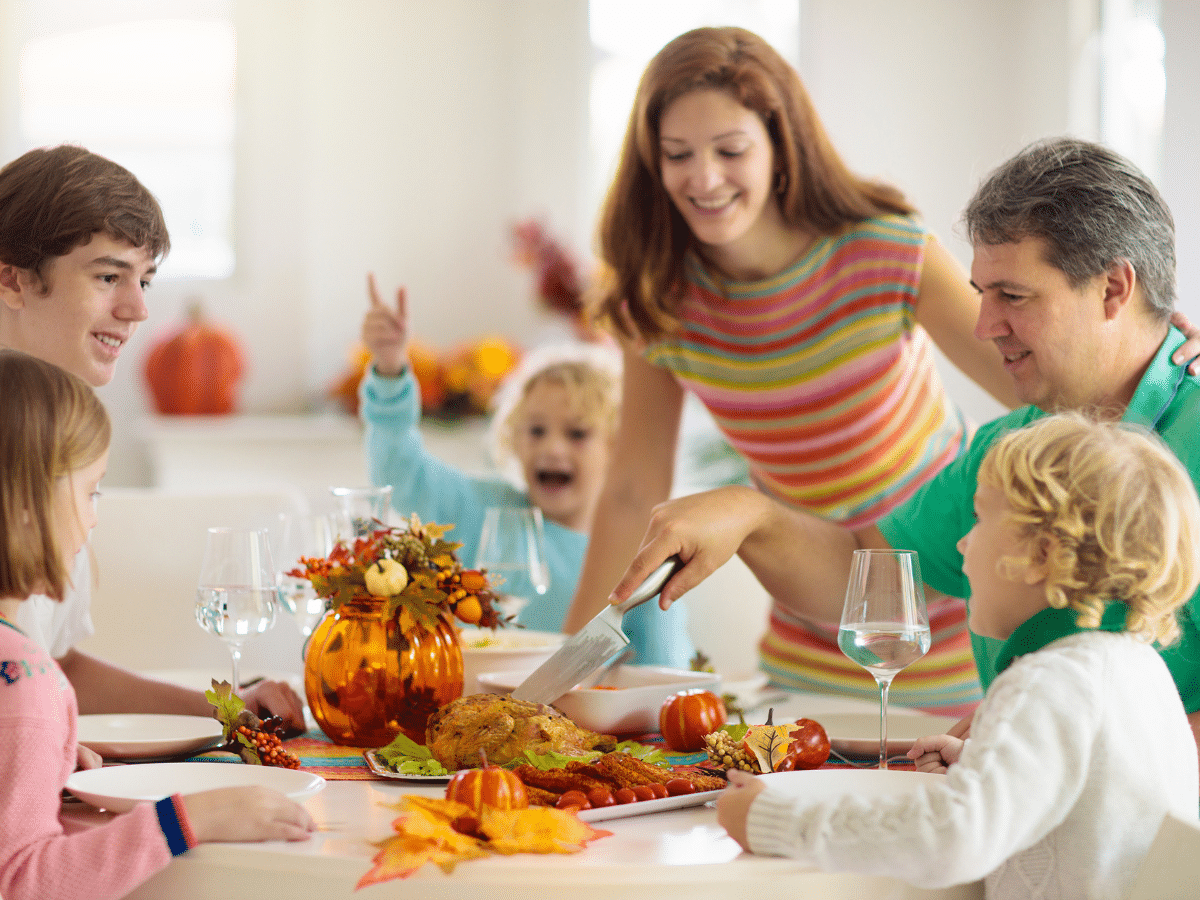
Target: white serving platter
x=647 y=807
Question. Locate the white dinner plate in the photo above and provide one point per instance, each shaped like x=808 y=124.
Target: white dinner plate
x=825 y=784
x=646 y=807
x=857 y=734
x=120 y=788
x=746 y=687
x=138 y=736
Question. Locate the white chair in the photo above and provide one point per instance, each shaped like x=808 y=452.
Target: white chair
x=147 y=551
x=1171 y=869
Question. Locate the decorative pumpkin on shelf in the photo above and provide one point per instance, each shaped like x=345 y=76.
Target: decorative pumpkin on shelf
x=195 y=369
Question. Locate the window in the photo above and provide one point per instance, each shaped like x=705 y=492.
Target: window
x=151 y=86
x=1133 y=81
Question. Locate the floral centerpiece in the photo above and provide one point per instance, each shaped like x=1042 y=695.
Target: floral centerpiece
x=414 y=569
x=387 y=655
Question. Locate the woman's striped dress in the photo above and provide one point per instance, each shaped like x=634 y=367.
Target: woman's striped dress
x=822 y=379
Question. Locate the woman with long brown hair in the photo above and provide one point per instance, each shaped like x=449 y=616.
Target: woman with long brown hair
x=800 y=303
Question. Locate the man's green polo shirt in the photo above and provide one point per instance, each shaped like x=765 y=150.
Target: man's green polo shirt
x=1167 y=401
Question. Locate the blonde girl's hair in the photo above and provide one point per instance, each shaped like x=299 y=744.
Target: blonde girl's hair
x=51 y=424
x=591 y=373
x=1120 y=511
x=643 y=238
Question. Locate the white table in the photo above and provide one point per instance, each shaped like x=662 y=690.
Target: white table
x=683 y=854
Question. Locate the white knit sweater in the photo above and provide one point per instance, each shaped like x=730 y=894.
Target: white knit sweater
x=1075 y=755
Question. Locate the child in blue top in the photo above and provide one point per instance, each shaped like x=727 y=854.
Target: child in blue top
x=552 y=436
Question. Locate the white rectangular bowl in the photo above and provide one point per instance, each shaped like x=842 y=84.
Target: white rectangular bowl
x=629 y=706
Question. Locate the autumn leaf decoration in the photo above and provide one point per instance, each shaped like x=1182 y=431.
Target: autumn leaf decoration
x=445 y=833
x=436 y=581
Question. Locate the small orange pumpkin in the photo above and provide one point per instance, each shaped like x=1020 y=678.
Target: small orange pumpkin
x=196 y=369
x=487 y=786
x=685 y=718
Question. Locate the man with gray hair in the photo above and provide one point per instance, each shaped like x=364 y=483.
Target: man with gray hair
x=1074 y=260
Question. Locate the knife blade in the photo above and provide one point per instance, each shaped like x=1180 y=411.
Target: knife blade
x=590 y=647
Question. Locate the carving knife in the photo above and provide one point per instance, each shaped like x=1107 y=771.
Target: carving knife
x=589 y=648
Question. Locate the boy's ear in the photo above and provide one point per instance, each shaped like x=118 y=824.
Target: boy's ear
x=1044 y=546
x=10 y=286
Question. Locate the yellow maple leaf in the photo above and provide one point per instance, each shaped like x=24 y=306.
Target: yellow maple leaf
x=398 y=857
x=536 y=830
x=444 y=832
x=425 y=833
x=769 y=744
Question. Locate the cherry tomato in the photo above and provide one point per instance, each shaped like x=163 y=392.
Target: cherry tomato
x=643 y=792
x=573 y=800
x=599 y=797
x=658 y=790
x=809 y=745
x=625 y=795
x=677 y=786
x=686 y=717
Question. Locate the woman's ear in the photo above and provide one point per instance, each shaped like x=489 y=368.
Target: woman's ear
x=1043 y=547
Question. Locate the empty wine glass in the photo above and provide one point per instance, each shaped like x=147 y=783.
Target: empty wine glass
x=885 y=626
x=303 y=536
x=237 y=594
x=365 y=508
x=512 y=545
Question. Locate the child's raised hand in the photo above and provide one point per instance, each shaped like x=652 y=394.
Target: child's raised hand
x=733 y=806
x=246 y=814
x=936 y=753
x=385 y=331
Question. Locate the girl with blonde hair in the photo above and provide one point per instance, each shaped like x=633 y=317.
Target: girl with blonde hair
x=54 y=436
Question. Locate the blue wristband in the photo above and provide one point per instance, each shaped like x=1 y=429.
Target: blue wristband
x=172 y=828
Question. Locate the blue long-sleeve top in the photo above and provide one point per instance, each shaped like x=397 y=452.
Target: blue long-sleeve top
x=438 y=492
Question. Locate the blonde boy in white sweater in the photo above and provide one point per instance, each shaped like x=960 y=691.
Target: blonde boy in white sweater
x=1086 y=542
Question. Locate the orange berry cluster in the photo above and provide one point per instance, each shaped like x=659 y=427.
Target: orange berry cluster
x=270 y=749
x=460 y=589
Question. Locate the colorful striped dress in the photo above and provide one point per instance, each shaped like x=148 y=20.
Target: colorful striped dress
x=822 y=379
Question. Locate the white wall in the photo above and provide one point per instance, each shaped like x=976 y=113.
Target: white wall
x=930 y=95
x=1181 y=144
x=399 y=137
x=405 y=135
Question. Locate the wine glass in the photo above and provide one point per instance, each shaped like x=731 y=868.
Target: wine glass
x=364 y=507
x=885 y=626
x=311 y=536
x=512 y=545
x=237 y=594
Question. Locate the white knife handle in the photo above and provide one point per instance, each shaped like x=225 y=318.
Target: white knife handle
x=652 y=585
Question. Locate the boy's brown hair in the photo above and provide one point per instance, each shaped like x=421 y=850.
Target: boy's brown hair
x=55 y=199
x=1116 y=512
x=51 y=424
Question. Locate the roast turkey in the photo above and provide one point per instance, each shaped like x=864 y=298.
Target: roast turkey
x=504 y=728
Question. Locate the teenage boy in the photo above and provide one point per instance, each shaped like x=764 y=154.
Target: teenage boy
x=80 y=242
